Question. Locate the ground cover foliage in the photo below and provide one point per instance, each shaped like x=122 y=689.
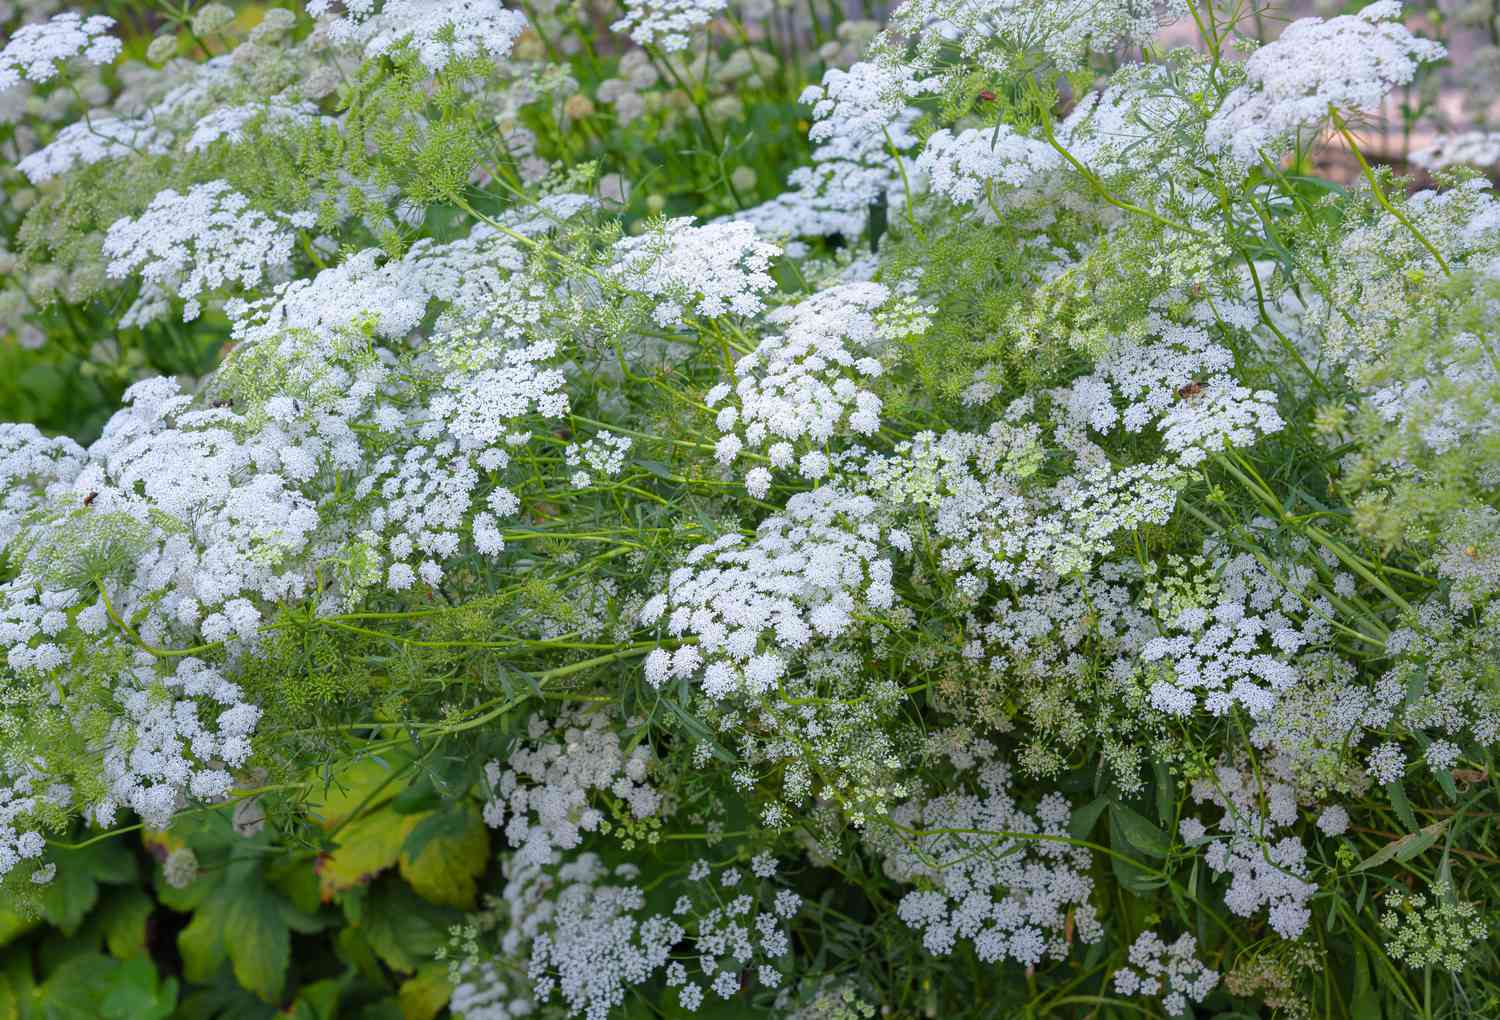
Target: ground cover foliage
x=679 y=507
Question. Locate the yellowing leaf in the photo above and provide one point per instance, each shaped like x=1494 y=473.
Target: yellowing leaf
x=366 y=784
x=367 y=846
x=453 y=849
x=424 y=995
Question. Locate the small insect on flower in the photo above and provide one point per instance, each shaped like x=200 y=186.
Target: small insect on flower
x=986 y=96
x=1191 y=390
x=89 y=499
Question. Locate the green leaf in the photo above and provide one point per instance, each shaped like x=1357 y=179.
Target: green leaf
x=17 y=988
x=201 y=943
x=123 y=922
x=423 y=996
x=259 y=943
x=134 y=993
x=1406 y=847
x=1085 y=818
x=367 y=846
x=69 y=897
x=448 y=858
x=1166 y=793
x=1139 y=832
x=1397 y=792
x=13 y=925
x=401 y=928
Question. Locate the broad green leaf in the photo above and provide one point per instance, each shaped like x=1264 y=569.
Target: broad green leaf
x=403 y=929
x=1399 y=803
x=448 y=857
x=367 y=846
x=136 y=993
x=258 y=941
x=17 y=988
x=123 y=922
x=13 y=925
x=1085 y=818
x=1139 y=832
x=364 y=785
x=424 y=995
x=201 y=943
x=319 y=1000
x=69 y=897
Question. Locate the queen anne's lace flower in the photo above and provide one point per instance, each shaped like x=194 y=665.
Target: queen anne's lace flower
x=201 y=241
x=86 y=142
x=35 y=51
x=666 y=23
x=1349 y=63
x=710 y=270
x=1172 y=973
x=752 y=607
x=797 y=391
x=1014 y=899
x=440 y=31
x=982 y=165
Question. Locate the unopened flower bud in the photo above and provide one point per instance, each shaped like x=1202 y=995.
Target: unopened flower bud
x=212 y=19
x=162 y=49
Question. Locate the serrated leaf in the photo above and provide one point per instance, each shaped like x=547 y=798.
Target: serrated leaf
x=424 y=995
x=1406 y=847
x=74 y=891
x=361 y=786
x=448 y=859
x=1399 y=803
x=136 y=993
x=201 y=943
x=367 y=846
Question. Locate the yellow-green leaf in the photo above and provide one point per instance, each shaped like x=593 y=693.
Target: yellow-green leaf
x=444 y=868
x=423 y=996
x=367 y=846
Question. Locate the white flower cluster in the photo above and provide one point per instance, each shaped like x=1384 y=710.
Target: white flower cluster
x=1136 y=125
x=544 y=791
x=1349 y=64
x=666 y=23
x=201 y=241
x=987 y=515
x=1468 y=148
x=439 y=31
x=1006 y=879
x=86 y=142
x=603 y=454
x=859 y=117
x=1239 y=646
x=160 y=749
x=710 y=270
x=18 y=801
x=1178 y=382
x=997 y=34
x=35 y=51
x=582 y=933
x=751 y=608
x=34 y=469
x=229 y=123
x=1172 y=973
x=995 y=168
x=796 y=391
x=1263 y=874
